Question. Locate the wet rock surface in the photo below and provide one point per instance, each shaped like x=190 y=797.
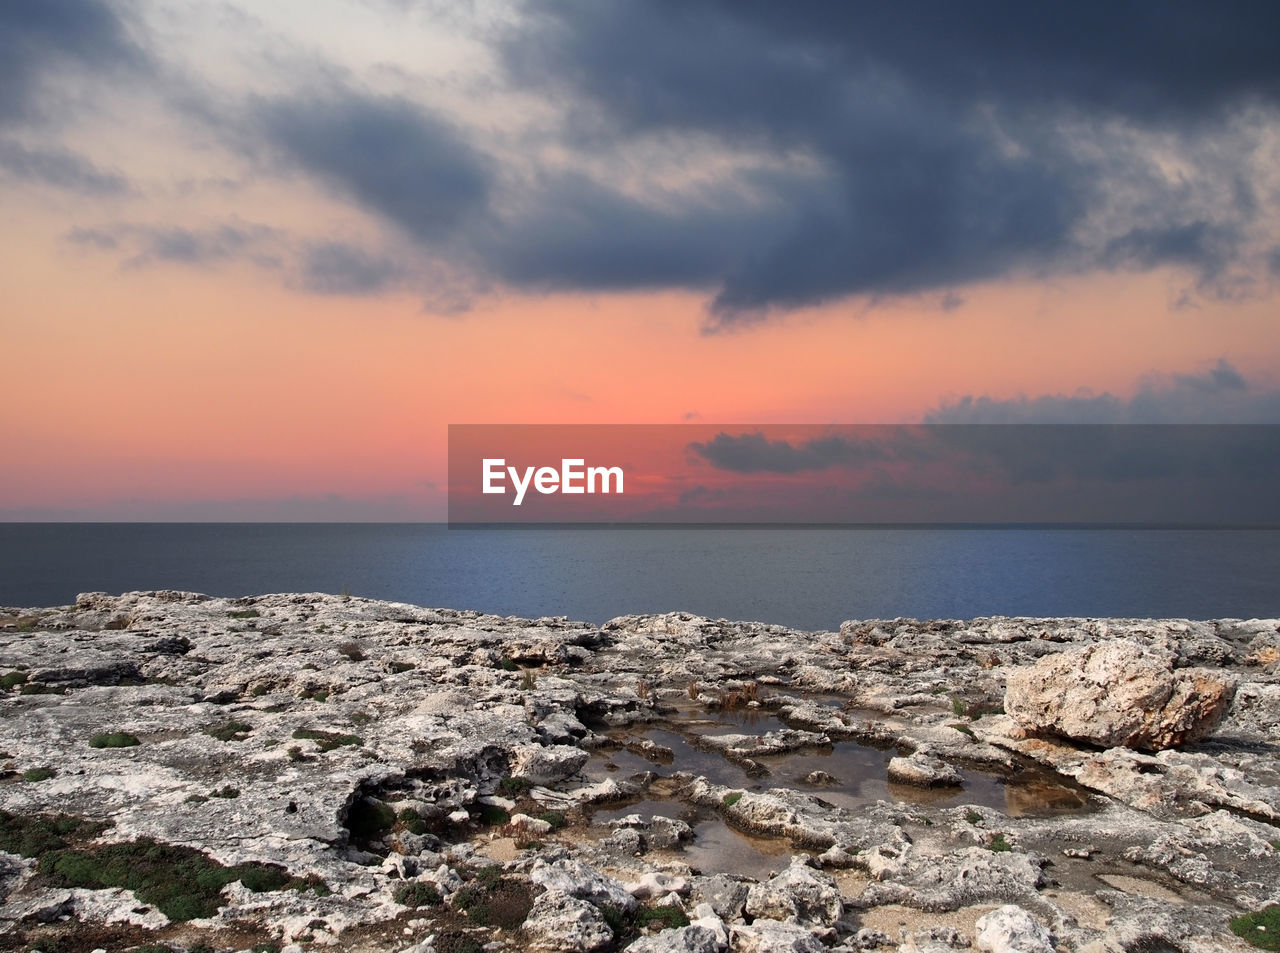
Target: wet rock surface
x=317 y=771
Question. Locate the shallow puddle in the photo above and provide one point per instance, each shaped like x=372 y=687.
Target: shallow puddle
x=858 y=773
x=715 y=846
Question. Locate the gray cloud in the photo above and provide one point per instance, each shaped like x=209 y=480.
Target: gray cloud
x=955 y=145
x=1220 y=395
x=39 y=37
x=396 y=159
x=755 y=453
x=59 y=168
x=338 y=268
x=143 y=245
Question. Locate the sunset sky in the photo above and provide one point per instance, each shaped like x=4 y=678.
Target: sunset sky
x=257 y=256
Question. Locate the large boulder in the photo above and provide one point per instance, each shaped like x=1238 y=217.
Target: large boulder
x=1118 y=694
x=559 y=923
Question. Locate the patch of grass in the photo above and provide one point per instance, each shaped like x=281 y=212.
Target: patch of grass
x=964 y=730
x=973 y=817
x=999 y=845
x=418 y=894
x=181 y=882
x=244 y=614
x=114 y=739
x=226 y=791
x=413 y=822
x=664 y=918
x=38 y=774
x=315 y=694
x=556 y=819
x=10 y=680
x=615 y=918
x=361 y=717
x=33 y=835
x=1276 y=843
x=958 y=707
x=327 y=740
x=352 y=651
x=369 y=820
x=508 y=666
x=732 y=798
x=494 y=900
x=1260 y=928
x=514 y=787
x=231 y=731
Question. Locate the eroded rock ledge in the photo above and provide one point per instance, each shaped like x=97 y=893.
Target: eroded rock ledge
x=309 y=771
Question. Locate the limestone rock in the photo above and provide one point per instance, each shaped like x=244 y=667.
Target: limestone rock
x=578 y=880
x=1118 y=694
x=770 y=936
x=559 y=923
x=694 y=938
x=799 y=892
x=923 y=770
x=546 y=764
x=1010 y=929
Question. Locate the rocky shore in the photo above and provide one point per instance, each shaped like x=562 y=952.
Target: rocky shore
x=305 y=771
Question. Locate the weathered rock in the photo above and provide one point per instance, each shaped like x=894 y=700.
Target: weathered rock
x=726 y=895
x=923 y=770
x=800 y=893
x=1010 y=929
x=691 y=939
x=560 y=923
x=770 y=936
x=1118 y=694
x=579 y=880
x=547 y=764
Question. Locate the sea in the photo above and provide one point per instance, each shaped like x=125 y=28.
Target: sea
x=810 y=578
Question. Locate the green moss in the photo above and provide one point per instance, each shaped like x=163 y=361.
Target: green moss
x=418 y=894
x=732 y=798
x=10 y=680
x=958 y=707
x=114 y=739
x=182 y=883
x=38 y=774
x=259 y=690
x=999 y=845
x=973 y=817
x=244 y=614
x=33 y=835
x=664 y=918
x=508 y=666
x=1260 y=928
x=964 y=730
x=196 y=799
x=327 y=740
x=615 y=918
x=226 y=791
x=231 y=731
x=514 y=787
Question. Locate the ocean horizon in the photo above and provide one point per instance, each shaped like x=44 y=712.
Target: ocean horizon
x=810 y=578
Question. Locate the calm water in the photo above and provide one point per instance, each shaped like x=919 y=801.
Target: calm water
x=808 y=578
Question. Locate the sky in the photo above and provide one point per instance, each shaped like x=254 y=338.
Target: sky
x=255 y=257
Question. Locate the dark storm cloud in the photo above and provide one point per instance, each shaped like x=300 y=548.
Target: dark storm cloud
x=59 y=168
x=38 y=37
x=395 y=159
x=940 y=132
